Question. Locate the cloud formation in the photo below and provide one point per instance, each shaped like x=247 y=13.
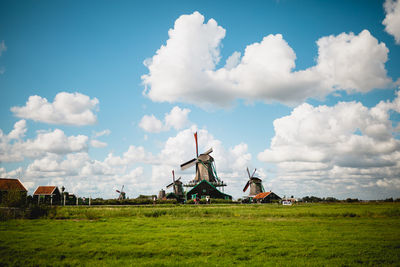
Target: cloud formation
x=66 y=109
x=65 y=160
x=177 y=118
x=392 y=19
x=185 y=69
x=344 y=145
x=14 y=149
x=97 y=143
x=3 y=47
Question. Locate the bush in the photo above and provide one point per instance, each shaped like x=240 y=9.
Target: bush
x=352 y=200
x=14 y=198
x=39 y=211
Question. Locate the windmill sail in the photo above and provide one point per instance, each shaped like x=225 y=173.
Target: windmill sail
x=188 y=164
x=205 y=167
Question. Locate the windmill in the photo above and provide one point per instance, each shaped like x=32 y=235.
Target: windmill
x=205 y=167
x=121 y=193
x=177 y=186
x=255 y=184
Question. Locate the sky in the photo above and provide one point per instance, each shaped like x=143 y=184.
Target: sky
x=95 y=95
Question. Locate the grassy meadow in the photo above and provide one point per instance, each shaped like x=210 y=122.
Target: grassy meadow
x=215 y=235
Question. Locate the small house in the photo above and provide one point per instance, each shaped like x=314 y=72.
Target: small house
x=266 y=197
x=47 y=194
x=204 y=189
x=8 y=185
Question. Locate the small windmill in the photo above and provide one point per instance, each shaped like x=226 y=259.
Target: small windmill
x=205 y=167
x=177 y=186
x=121 y=193
x=255 y=184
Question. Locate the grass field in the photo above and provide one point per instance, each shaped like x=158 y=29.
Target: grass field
x=215 y=235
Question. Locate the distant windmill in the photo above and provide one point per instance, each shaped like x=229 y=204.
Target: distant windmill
x=121 y=193
x=205 y=167
x=177 y=186
x=255 y=184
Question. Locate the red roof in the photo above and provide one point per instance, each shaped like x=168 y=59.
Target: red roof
x=11 y=184
x=261 y=195
x=45 y=190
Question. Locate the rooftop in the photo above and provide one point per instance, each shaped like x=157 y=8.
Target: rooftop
x=11 y=184
x=45 y=190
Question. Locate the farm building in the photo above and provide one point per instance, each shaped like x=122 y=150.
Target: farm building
x=8 y=185
x=205 y=188
x=266 y=197
x=47 y=194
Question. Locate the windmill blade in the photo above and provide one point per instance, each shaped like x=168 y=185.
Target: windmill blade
x=122 y=189
x=197 y=148
x=246 y=186
x=178 y=179
x=253 y=173
x=188 y=164
x=171 y=184
x=118 y=191
x=173 y=175
x=208 y=151
x=248 y=172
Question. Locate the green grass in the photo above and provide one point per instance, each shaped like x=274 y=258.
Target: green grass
x=215 y=235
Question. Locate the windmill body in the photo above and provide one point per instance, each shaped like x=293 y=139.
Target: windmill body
x=177 y=186
x=255 y=186
x=254 y=183
x=121 y=193
x=206 y=181
x=205 y=168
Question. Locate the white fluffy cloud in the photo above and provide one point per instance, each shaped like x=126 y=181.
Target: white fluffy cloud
x=19 y=130
x=139 y=170
x=151 y=124
x=67 y=109
x=184 y=69
x=14 y=149
x=102 y=133
x=97 y=143
x=331 y=147
x=392 y=19
x=177 y=118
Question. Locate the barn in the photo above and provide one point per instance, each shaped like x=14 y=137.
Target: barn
x=8 y=185
x=266 y=197
x=205 y=188
x=47 y=194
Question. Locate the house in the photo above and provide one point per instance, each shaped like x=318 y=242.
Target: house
x=266 y=197
x=47 y=194
x=204 y=189
x=8 y=185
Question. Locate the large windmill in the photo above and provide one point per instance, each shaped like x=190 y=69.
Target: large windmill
x=205 y=168
x=255 y=184
x=177 y=186
x=121 y=193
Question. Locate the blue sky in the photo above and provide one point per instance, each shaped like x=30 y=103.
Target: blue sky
x=300 y=100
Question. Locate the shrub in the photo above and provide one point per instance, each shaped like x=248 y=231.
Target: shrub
x=39 y=211
x=14 y=198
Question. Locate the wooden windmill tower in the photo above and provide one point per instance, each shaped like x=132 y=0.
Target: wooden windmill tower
x=177 y=186
x=121 y=193
x=205 y=168
x=255 y=184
